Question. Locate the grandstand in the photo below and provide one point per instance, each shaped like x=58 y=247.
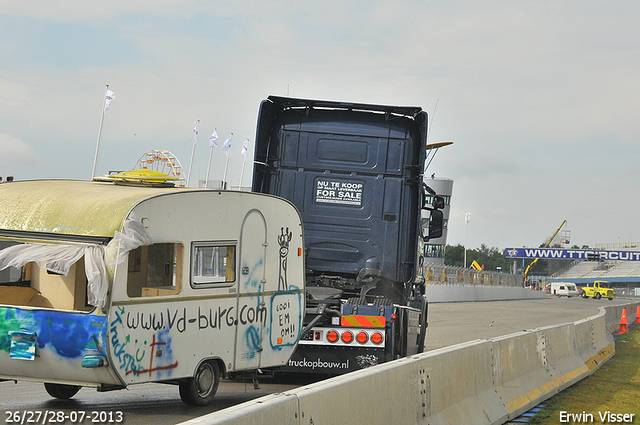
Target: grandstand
x=622 y=274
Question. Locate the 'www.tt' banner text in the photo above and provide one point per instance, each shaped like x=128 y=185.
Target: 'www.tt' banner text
x=572 y=254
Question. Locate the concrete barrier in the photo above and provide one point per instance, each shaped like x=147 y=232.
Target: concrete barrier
x=459 y=293
x=478 y=382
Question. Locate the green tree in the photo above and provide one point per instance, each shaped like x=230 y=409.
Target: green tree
x=454 y=255
x=490 y=258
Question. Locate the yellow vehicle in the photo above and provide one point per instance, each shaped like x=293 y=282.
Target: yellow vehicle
x=598 y=289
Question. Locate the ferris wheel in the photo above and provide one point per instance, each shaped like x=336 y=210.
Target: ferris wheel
x=163 y=162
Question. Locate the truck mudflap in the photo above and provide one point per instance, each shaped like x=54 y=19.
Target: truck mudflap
x=54 y=346
x=332 y=360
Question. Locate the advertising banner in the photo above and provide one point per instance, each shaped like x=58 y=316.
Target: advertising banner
x=572 y=254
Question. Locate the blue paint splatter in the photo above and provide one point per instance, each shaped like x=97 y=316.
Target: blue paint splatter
x=68 y=333
x=252 y=280
x=254 y=341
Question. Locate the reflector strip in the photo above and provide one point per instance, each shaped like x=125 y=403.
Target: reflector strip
x=364 y=321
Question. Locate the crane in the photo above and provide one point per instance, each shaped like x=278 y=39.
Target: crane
x=565 y=239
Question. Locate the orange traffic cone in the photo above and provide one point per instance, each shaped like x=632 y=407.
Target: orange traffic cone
x=637 y=315
x=624 y=328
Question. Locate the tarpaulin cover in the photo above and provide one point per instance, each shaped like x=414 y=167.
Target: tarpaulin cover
x=59 y=258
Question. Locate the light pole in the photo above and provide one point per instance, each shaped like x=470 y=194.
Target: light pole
x=467 y=219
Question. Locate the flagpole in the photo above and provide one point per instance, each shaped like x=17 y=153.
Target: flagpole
x=466 y=225
x=224 y=179
x=212 y=144
x=206 y=182
x=95 y=159
x=467 y=219
x=242 y=173
x=193 y=151
x=245 y=147
x=226 y=164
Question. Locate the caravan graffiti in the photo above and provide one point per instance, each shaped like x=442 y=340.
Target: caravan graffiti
x=122 y=348
x=66 y=333
x=285 y=324
x=180 y=320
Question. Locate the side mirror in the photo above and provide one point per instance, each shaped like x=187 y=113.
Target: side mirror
x=436 y=224
x=438 y=202
x=429 y=197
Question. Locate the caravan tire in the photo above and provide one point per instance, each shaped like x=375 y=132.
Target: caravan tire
x=61 y=391
x=201 y=388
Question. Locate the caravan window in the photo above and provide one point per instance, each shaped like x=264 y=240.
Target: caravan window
x=213 y=264
x=155 y=270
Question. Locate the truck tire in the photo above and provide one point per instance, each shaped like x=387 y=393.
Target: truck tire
x=597 y=296
x=384 y=302
x=583 y=294
x=356 y=301
x=61 y=391
x=201 y=388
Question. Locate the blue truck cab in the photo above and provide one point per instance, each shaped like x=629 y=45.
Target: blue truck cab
x=355 y=173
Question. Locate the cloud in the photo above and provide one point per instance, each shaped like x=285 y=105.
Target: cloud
x=540 y=97
x=15 y=153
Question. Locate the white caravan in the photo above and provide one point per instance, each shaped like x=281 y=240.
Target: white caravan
x=118 y=284
x=564 y=289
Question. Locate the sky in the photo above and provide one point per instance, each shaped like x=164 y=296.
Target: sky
x=541 y=98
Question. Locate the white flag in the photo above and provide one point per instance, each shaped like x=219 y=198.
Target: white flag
x=194 y=137
x=245 y=146
x=227 y=145
x=108 y=97
x=467 y=218
x=213 y=140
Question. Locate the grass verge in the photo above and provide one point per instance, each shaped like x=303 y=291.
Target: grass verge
x=614 y=388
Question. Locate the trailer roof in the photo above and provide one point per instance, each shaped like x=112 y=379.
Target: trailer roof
x=66 y=207
x=288 y=102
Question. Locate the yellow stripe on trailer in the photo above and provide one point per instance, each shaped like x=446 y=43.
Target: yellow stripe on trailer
x=364 y=321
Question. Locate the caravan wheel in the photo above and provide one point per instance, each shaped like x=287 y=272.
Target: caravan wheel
x=61 y=391
x=200 y=390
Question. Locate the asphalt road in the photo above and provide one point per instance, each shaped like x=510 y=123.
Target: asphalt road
x=449 y=323
x=453 y=323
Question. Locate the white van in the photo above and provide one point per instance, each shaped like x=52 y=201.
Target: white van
x=564 y=289
x=120 y=284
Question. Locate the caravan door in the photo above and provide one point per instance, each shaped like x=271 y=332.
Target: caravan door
x=252 y=306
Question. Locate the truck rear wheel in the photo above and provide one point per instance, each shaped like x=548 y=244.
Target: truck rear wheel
x=356 y=301
x=61 y=391
x=597 y=296
x=384 y=302
x=201 y=388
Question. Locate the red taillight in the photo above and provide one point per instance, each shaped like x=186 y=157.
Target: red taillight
x=332 y=336
x=362 y=337
x=376 y=338
x=393 y=317
x=347 y=337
